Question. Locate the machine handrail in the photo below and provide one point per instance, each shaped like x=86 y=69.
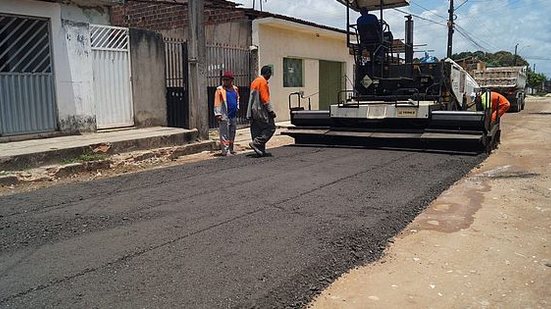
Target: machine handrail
x=342 y=102
x=290 y=100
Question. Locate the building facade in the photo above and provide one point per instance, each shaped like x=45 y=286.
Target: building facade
x=64 y=70
x=305 y=56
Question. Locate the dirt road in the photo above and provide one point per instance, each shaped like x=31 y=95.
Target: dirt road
x=230 y=232
x=485 y=243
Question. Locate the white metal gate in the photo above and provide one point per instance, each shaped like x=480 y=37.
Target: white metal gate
x=112 y=81
x=27 y=101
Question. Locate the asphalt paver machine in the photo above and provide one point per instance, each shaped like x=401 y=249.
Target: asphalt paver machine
x=396 y=102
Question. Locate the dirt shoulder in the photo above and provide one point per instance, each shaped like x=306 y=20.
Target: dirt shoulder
x=485 y=242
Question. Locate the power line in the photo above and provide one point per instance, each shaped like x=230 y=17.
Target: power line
x=421 y=17
x=537 y=58
x=468 y=37
x=474 y=37
x=429 y=11
x=457 y=8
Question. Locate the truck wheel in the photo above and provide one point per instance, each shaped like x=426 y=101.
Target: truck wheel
x=515 y=108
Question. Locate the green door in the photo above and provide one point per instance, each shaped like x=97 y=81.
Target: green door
x=330 y=83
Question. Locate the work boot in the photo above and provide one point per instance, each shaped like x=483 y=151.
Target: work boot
x=256 y=149
x=264 y=152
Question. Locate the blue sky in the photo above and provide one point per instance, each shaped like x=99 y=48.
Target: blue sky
x=493 y=25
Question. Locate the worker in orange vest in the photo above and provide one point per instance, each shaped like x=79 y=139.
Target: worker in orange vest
x=226 y=107
x=261 y=112
x=500 y=104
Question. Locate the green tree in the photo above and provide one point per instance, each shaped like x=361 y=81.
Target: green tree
x=535 y=80
x=497 y=59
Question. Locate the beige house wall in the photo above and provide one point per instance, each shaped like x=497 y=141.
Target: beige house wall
x=277 y=39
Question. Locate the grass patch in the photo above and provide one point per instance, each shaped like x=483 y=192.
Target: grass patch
x=85 y=157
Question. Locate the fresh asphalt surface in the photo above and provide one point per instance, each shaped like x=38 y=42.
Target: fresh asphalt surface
x=233 y=232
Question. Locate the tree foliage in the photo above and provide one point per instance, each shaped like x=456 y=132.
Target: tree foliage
x=535 y=80
x=497 y=59
x=504 y=59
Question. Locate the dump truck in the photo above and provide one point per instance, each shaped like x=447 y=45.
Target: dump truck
x=396 y=102
x=509 y=81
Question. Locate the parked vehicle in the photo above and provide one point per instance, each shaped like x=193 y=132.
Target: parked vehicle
x=509 y=81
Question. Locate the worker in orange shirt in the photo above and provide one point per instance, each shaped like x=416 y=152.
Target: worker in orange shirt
x=500 y=104
x=261 y=112
x=226 y=107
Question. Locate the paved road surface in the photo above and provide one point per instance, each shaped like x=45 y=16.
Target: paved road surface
x=234 y=232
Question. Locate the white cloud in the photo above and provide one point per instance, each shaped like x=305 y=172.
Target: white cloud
x=494 y=24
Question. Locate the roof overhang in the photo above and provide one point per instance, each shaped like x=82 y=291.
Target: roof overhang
x=300 y=27
x=372 y=5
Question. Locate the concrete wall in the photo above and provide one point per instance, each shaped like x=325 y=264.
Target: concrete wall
x=71 y=57
x=278 y=39
x=80 y=114
x=235 y=34
x=148 y=78
x=92 y=15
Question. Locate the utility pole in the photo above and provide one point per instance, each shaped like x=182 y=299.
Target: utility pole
x=450 y=29
x=515 y=59
x=197 y=58
x=254 y=4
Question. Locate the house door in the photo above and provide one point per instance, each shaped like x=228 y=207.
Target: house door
x=330 y=83
x=176 y=75
x=27 y=101
x=112 y=83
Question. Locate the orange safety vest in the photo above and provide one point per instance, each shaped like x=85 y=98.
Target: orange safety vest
x=220 y=101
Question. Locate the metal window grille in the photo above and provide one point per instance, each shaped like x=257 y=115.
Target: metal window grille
x=109 y=38
x=24 y=45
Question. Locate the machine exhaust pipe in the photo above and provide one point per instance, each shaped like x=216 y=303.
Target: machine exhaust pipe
x=409 y=44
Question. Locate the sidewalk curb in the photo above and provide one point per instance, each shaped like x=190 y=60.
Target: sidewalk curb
x=25 y=161
x=193 y=148
x=75 y=168
x=67 y=170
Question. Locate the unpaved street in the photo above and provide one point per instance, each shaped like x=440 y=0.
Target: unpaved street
x=229 y=232
x=485 y=243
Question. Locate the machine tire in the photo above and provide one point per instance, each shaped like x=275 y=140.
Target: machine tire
x=515 y=108
x=522 y=104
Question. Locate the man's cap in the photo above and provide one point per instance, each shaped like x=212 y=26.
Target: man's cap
x=228 y=75
x=266 y=70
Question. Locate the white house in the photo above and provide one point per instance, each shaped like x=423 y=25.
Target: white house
x=305 y=57
x=57 y=60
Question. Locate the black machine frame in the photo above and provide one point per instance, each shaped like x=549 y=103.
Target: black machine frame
x=401 y=83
